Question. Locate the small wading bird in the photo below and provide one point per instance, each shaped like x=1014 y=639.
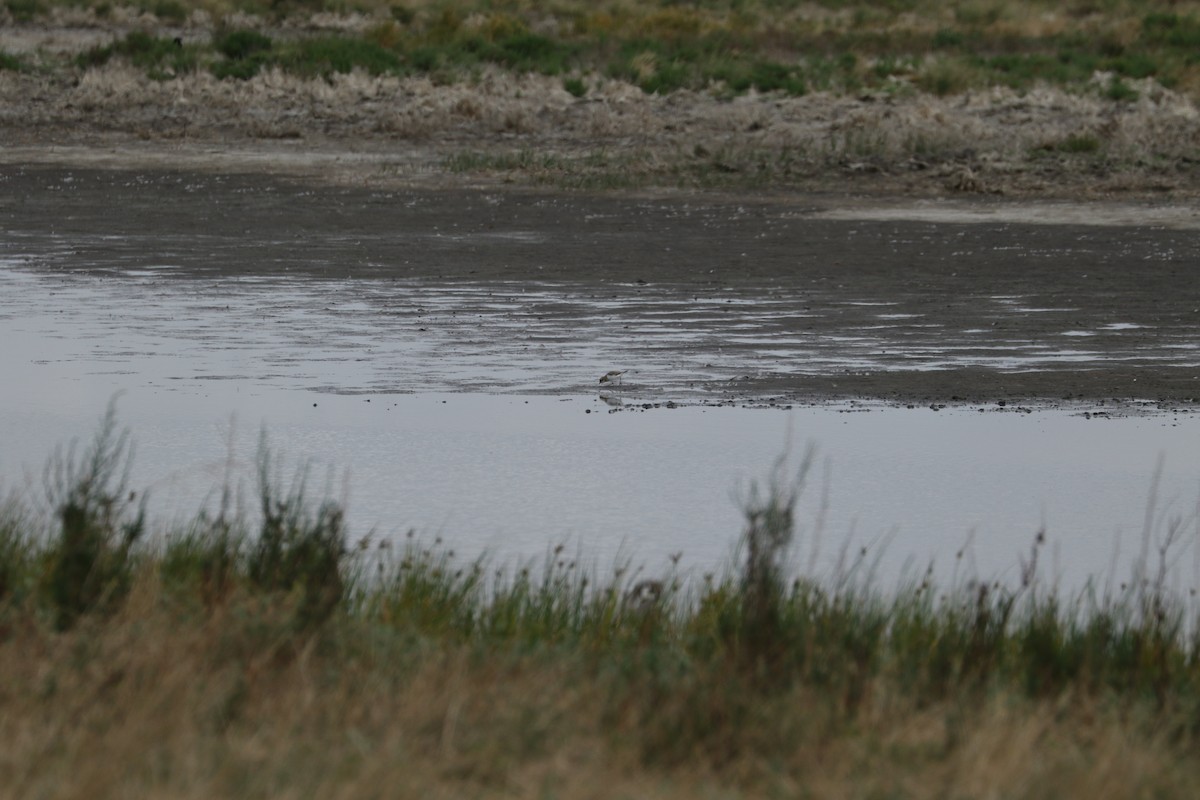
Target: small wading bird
x=644 y=596
x=613 y=376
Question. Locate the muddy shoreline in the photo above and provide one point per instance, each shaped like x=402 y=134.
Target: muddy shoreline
x=713 y=300
x=500 y=129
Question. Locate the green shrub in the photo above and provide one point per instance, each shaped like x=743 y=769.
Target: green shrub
x=575 y=86
x=246 y=52
x=946 y=76
x=946 y=39
x=403 y=14
x=666 y=78
x=425 y=59
x=10 y=62
x=1177 y=31
x=298 y=550
x=24 y=10
x=765 y=542
x=1120 y=91
x=242 y=69
x=769 y=76
x=170 y=11
x=328 y=55
x=1079 y=143
x=160 y=57
x=243 y=44
x=529 y=52
x=1134 y=65
x=89 y=562
x=16 y=561
x=207 y=560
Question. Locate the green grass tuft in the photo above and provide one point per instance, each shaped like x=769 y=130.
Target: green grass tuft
x=1121 y=92
x=727 y=49
x=1077 y=144
x=172 y=11
x=329 y=55
x=298 y=550
x=575 y=86
x=24 y=10
x=10 y=62
x=89 y=563
x=699 y=663
x=161 y=57
x=245 y=52
x=243 y=44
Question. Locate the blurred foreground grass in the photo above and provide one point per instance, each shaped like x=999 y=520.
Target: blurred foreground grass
x=266 y=656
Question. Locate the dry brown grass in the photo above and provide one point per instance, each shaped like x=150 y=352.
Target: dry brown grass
x=219 y=662
x=902 y=115
x=403 y=130
x=164 y=700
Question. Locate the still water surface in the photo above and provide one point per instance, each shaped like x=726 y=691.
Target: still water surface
x=489 y=432
x=514 y=474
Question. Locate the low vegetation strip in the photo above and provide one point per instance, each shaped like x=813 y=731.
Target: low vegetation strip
x=897 y=98
x=267 y=655
x=728 y=47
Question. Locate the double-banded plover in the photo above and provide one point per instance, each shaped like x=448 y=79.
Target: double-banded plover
x=613 y=376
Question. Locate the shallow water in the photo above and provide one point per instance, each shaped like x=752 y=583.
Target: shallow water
x=235 y=277
x=352 y=336
x=513 y=474
x=470 y=408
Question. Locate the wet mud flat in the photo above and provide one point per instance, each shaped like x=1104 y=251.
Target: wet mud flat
x=714 y=298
